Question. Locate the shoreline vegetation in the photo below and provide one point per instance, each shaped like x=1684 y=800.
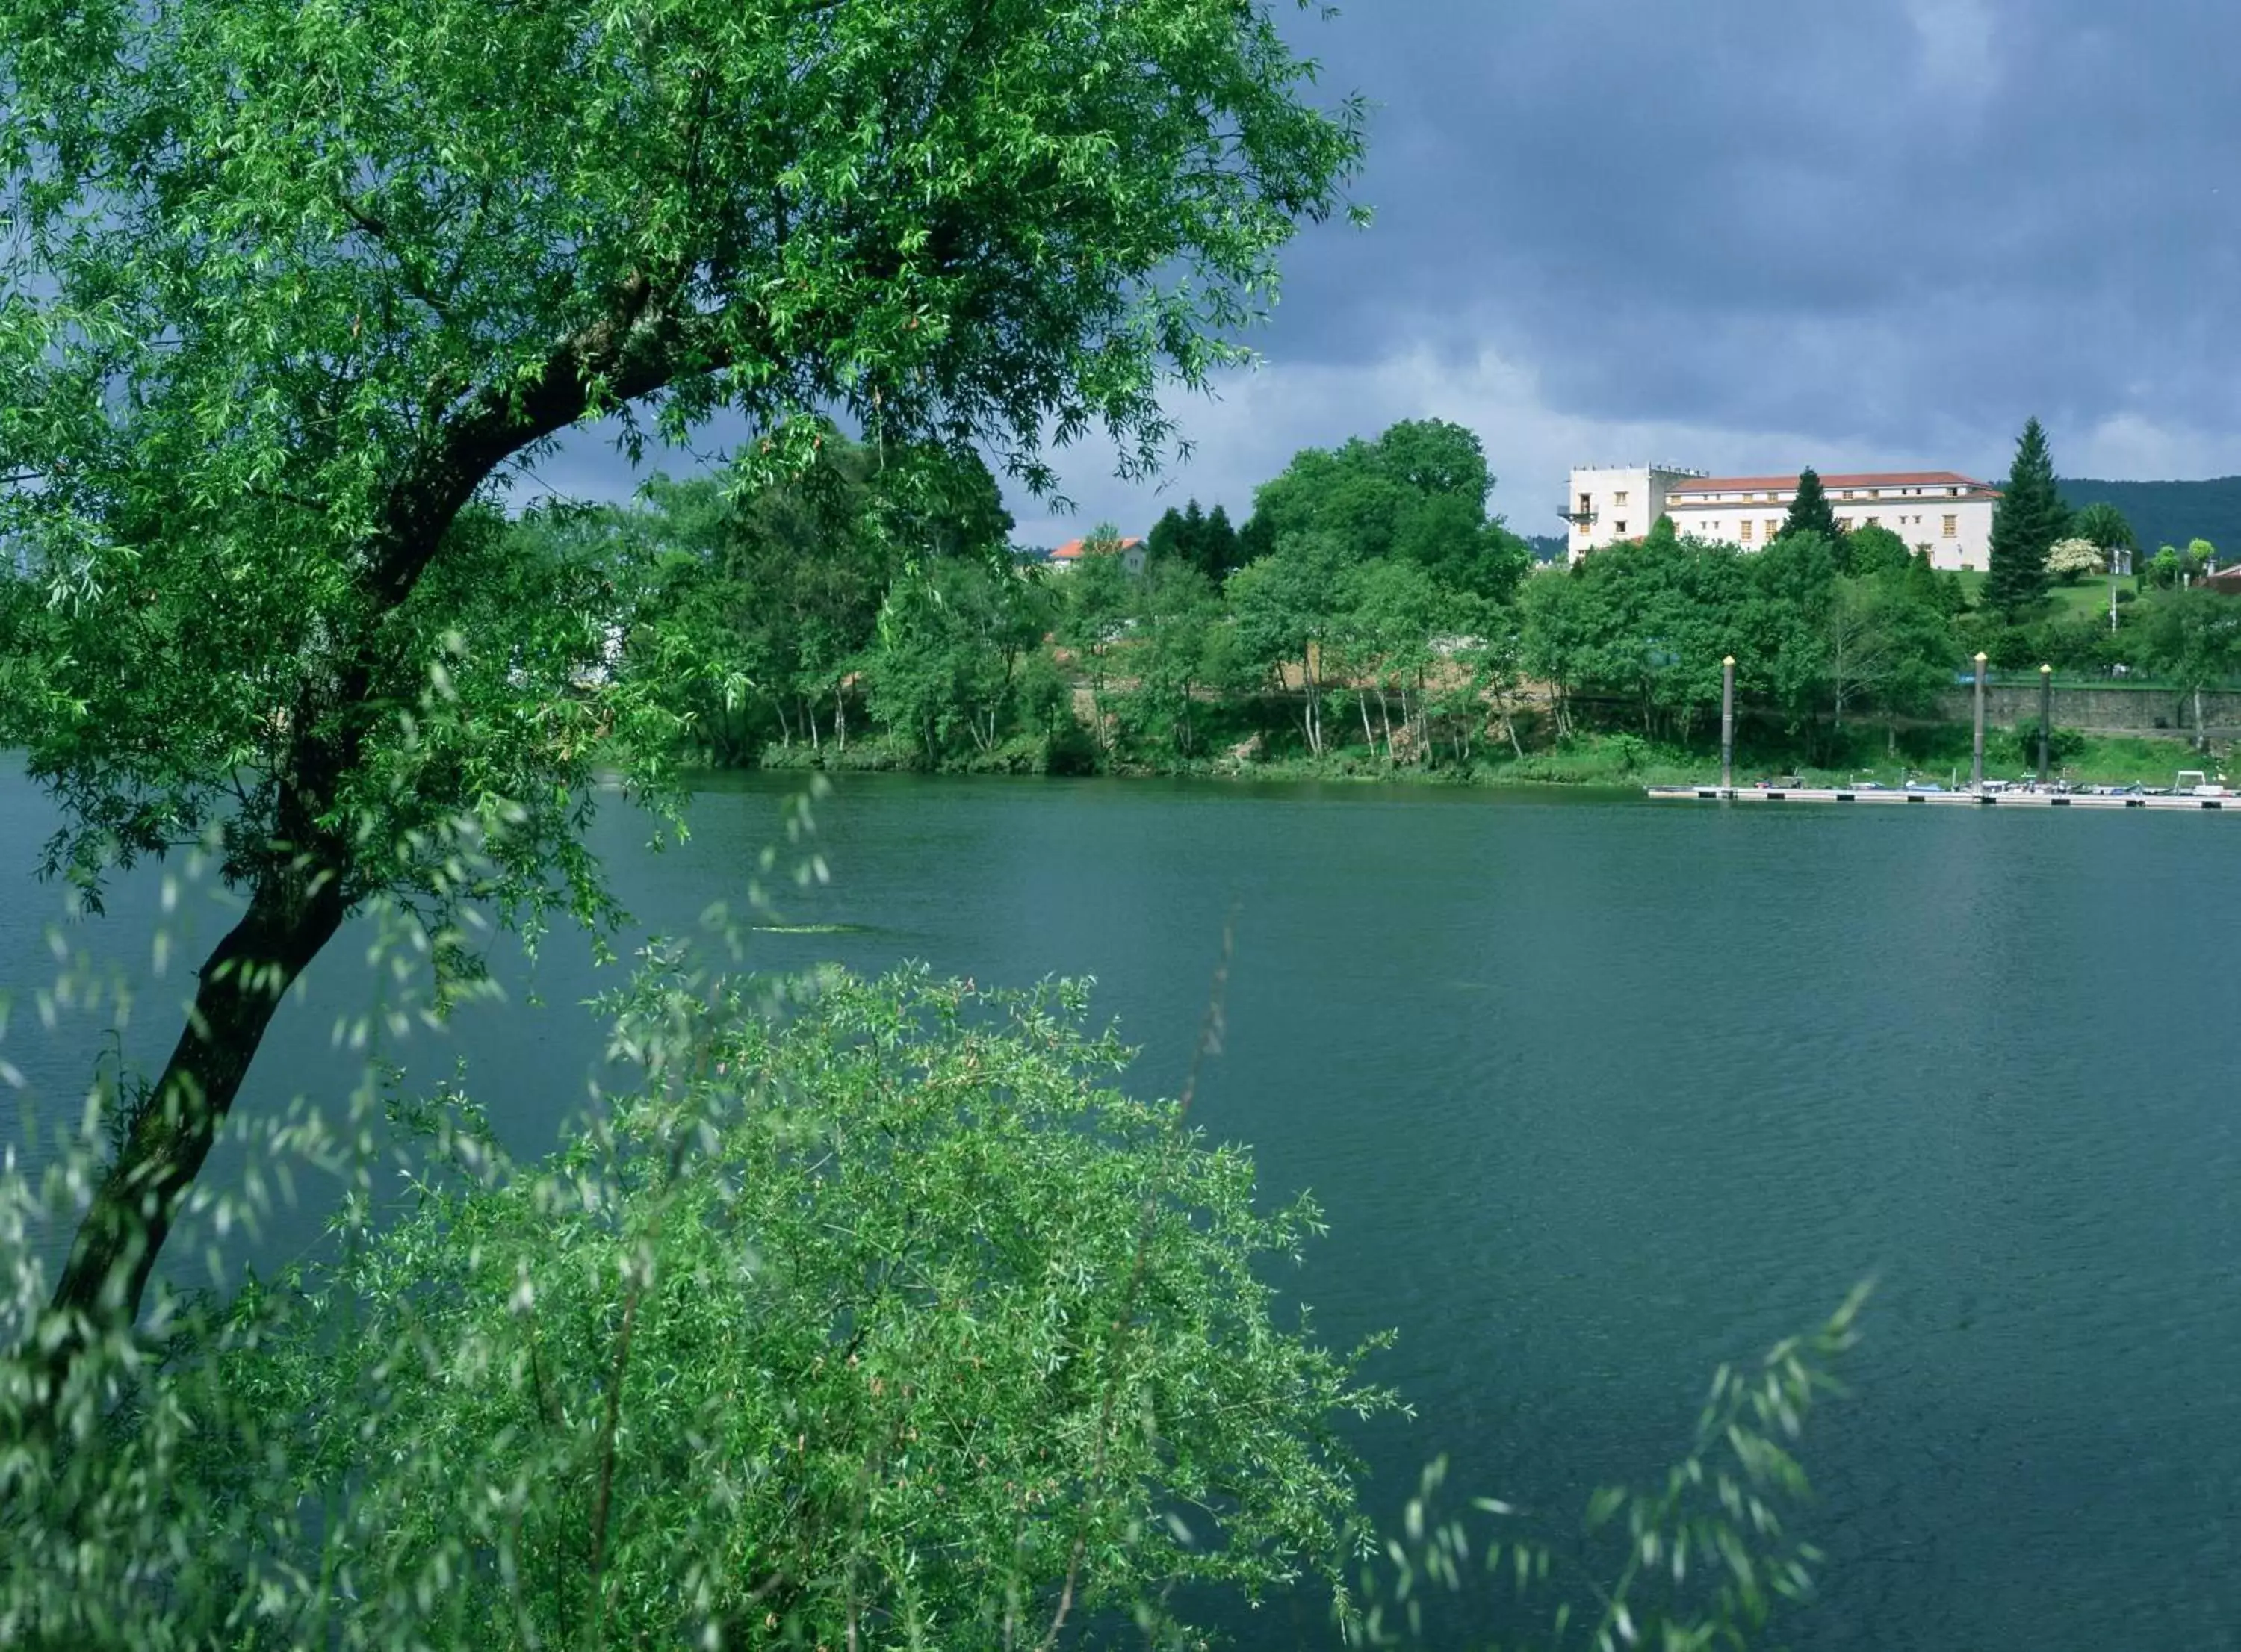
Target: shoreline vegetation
x=1370 y=621
x=1937 y=752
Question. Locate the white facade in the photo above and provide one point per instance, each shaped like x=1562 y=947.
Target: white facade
x=1945 y=513
x=1613 y=502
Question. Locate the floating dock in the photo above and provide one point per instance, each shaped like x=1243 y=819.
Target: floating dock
x=2015 y=799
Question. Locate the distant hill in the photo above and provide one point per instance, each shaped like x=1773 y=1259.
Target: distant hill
x=1549 y=547
x=2169 y=512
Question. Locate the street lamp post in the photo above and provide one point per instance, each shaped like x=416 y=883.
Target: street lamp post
x=2045 y=717
x=1728 y=723
x=1976 y=758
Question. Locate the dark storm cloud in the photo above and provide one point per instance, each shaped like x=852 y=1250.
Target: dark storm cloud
x=1745 y=234
x=1853 y=219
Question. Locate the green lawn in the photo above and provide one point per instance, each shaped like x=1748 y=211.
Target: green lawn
x=2088 y=596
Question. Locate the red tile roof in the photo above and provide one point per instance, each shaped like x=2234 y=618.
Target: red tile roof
x=1071 y=550
x=1778 y=483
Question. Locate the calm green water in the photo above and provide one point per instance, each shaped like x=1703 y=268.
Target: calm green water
x=1598 y=1093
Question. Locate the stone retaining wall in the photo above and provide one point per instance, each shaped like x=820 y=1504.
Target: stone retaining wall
x=2099 y=710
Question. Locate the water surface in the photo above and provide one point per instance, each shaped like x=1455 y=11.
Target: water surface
x=1597 y=1094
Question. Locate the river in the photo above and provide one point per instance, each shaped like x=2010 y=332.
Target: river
x=1596 y=1093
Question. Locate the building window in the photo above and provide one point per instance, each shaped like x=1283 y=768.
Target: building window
x=1744 y=532
x=1875 y=521
x=1587 y=505
x=1952 y=527
x=1620 y=526
x=1619 y=498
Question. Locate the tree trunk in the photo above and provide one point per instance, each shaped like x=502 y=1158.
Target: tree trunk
x=809 y=716
x=841 y=716
x=784 y=728
x=293 y=912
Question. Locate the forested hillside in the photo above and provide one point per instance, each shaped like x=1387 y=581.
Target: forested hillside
x=2169 y=512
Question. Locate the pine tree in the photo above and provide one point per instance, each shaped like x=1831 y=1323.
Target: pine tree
x=2029 y=518
x=1810 y=512
x=1191 y=545
x=1219 y=546
x=1166 y=538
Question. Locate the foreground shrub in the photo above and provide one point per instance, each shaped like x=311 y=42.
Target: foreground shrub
x=882 y=1322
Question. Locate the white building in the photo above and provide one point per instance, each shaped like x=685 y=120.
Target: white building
x=1942 y=512
x=1615 y=502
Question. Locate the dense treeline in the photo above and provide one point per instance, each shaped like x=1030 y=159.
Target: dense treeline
x=2167 y=513
x=881 y=586
x=1369 y=609
x=1819 y=627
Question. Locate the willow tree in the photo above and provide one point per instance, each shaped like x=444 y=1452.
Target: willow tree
x=289 y=292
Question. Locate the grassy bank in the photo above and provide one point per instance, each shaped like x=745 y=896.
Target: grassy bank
x=2089 y=595
x=1935 y=753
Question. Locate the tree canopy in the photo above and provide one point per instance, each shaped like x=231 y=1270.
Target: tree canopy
x=1647 y=624
x=282 y=305
x=1419 y=492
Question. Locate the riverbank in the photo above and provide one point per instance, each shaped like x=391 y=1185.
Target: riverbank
x=1939 y=753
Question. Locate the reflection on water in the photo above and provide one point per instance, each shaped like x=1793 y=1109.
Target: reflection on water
x=1596 y=1094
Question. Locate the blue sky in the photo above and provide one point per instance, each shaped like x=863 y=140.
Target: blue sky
x=1745 y=234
